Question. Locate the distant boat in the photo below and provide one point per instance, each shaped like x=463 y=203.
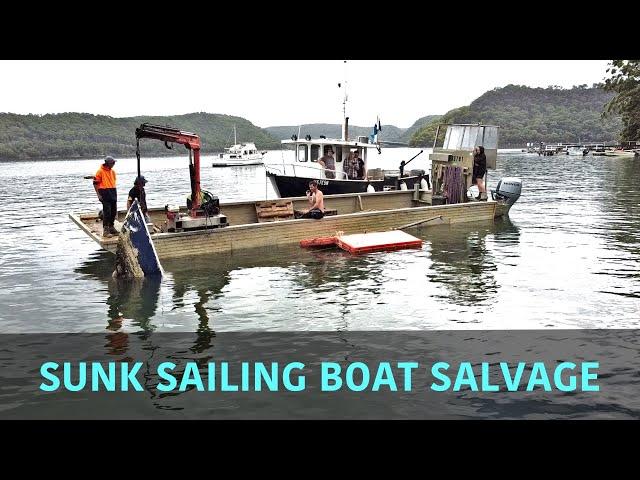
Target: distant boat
x=239 y=154
x=621 y=153
x=598 y=150
x=577 y=151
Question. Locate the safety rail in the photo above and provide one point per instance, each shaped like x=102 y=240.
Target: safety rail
x=287 y=168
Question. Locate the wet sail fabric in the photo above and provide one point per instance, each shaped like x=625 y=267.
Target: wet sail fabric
x=136 y=254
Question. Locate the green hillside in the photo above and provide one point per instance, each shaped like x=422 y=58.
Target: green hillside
x=417 y=125
x=83 y=135
x=526 y=114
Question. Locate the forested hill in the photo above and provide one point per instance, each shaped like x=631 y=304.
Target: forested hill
x=83 y=135
x=417 y=125
x=526 y=114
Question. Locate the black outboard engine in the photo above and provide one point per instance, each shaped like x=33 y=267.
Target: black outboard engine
x=210 y=204
x=508 y=190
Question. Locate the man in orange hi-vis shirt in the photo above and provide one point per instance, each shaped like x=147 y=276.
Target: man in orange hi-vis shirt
x=104 y=183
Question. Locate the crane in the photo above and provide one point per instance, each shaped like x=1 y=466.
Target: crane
x=173 y=135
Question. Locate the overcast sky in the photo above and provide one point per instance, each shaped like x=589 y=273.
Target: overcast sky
x=269 y=93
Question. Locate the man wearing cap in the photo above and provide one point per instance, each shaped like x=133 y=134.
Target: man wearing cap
x=328 y=163
x=104 y=183
x=138 y=192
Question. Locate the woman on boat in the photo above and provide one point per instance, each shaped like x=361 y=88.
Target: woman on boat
x=479 y=171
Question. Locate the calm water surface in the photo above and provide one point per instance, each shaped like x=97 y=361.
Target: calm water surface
x=568 y=257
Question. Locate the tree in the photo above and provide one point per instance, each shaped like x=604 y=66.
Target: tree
x=624 y=80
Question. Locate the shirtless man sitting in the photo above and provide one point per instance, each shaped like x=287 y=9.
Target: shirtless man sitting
x=316 y=200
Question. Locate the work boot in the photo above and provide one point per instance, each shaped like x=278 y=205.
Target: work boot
x=106 y=233
x=113 y=231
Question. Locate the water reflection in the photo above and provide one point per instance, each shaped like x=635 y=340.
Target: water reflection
x=622 y=220
x=133 y=299
x=464 y=259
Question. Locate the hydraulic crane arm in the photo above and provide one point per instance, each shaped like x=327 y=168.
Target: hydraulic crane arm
x=173 y=135
x=168 y=134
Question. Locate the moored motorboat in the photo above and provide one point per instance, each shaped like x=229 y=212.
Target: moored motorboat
x=239 y=154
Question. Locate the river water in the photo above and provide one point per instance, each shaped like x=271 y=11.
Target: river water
x=568 y=257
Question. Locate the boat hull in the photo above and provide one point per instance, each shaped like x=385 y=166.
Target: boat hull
x=268 y=235
x=136 y=253
x=236 y=163
x=367 y=212
x=290 y=186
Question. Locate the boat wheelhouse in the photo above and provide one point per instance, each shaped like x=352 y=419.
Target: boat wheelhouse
x=452 y=159
x=292 y=179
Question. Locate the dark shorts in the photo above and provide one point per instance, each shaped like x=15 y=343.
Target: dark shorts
x=314 y=213
x=477 y=173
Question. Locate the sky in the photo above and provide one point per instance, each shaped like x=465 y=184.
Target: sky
x=270 y=92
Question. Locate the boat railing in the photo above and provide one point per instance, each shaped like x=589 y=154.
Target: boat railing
x=308 y=171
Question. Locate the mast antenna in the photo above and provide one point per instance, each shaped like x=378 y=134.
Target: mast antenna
x=344 y=101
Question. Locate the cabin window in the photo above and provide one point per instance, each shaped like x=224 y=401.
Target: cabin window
x=302 y=153
x=490 y=140
x=472 y=138
x=315 y=153
x=467 y=137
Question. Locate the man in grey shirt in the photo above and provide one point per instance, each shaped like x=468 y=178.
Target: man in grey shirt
x=329 y=163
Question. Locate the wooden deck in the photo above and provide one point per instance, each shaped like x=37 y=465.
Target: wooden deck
x=356 y=213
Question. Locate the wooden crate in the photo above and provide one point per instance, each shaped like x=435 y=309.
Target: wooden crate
x=273 y=211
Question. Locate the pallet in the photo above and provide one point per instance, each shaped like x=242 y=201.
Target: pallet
x=274 y=210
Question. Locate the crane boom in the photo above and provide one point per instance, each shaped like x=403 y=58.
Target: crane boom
x=191 y=141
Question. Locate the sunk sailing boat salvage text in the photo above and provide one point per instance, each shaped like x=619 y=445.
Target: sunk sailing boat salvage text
x=329 y=377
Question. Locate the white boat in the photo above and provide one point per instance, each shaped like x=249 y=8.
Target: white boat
x=239 y=154
x=343 y=177
x=577 y=151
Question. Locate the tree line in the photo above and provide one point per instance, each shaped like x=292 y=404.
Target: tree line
x=83 y=135
x=526 y=114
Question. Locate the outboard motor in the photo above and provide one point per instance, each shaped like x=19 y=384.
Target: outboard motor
x=508 y=190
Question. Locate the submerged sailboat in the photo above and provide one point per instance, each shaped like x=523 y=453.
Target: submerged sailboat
x=239 y=154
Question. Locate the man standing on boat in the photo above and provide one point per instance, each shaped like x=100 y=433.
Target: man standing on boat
x=360 y=171
x=138 y=192
x=104 y=183
x=316 y=199
x=328 y=163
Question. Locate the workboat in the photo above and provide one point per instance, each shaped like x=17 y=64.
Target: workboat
x=204 y=226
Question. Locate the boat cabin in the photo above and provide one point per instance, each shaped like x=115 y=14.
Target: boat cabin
x=452 y=158
x=240 y=150
x=309 y=150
